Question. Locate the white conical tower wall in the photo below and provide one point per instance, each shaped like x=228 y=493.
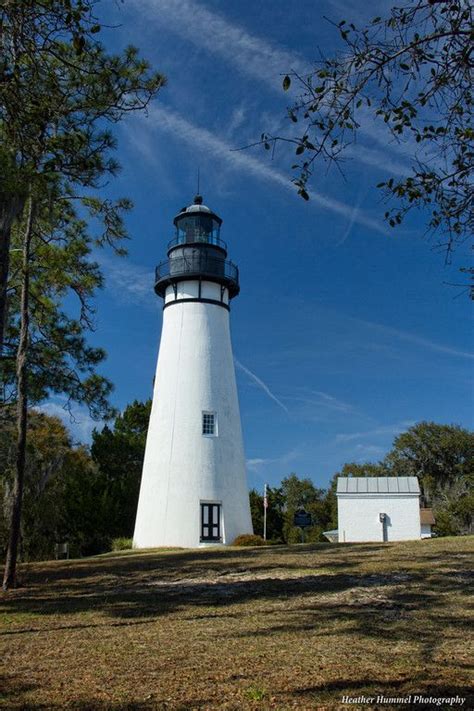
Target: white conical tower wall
x=182 y=468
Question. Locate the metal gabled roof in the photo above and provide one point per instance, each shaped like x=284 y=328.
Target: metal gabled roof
x=378 y=485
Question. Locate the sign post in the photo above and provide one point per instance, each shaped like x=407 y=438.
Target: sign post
x=302 y=519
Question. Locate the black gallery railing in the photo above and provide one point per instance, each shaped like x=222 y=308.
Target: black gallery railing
x=197 y=264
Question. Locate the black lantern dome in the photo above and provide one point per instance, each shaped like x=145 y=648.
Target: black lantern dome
x=197 y=251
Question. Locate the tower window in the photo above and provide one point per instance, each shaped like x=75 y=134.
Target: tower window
x=209 y=423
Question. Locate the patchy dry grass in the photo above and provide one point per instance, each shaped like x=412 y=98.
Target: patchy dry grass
x=281 y=627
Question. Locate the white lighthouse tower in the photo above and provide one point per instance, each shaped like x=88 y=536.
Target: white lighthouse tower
x=193 y=490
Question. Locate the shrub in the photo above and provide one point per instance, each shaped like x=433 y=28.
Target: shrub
x=122 y=544
x=249 y=539
x=275 y=542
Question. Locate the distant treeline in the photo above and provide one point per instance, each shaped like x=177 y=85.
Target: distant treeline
x=87 y=496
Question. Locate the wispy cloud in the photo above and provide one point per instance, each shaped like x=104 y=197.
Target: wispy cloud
x=320 y=400
x=261 y=385
x=257 y=58
x=167 y=120
x=333 y=403
x=382 y=430
x=368 y=451
x=78 y=421
x=362 y=190
x=378 y=159
x=413 y=338
x=237 y=118
x=257 y=463
x=131 y=282
x=252 y=55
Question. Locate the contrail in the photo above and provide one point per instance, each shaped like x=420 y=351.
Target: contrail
x=165 y=119
x=261 y=385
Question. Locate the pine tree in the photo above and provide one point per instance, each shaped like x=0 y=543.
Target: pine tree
x=60 y=88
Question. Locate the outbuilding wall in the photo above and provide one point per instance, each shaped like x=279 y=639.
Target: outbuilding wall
x=359 y=517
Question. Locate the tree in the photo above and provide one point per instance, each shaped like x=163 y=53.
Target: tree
x=118 y=454
x=56 y=474
x=442 y=457
x=84 y=505
x=275 y=513
x=51 y=352
x=302 y=493
x=60 y=87
x=412 y=71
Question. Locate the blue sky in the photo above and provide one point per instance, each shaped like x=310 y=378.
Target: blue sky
x=344 y=333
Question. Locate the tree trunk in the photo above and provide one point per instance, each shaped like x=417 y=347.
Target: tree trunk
x=10 y=209
x=9 y=579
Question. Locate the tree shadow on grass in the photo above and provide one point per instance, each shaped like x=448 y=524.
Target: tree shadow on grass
x=12 y=687
x=154 y=598
x=196 y=560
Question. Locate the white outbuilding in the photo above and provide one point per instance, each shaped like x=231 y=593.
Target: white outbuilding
x=383 y=508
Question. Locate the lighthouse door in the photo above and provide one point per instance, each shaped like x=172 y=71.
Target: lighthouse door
x=210 y=522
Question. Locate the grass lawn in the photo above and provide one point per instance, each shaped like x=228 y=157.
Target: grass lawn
x=282 y=627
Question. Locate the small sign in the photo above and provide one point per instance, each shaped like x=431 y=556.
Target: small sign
x=302 y=519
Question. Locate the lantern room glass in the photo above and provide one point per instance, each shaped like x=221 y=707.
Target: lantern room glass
x=197 y=228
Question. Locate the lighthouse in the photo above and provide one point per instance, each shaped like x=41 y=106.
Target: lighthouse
x=193 y=490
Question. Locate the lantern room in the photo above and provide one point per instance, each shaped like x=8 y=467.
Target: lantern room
x=197 y=223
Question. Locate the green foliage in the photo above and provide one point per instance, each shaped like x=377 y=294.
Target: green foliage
x=118 y=454
x=60 y=85
x=275 y=514
x=90 y=501
x=59 y=358
x=437 y=454
x=70 y=496
x=256 y=511
x=411 y=72
x=442 y=457
x=248 y=539
x=282 y=504
x=255 y=693
x=122 y=544
x=60 y=88
x=301 y=493
x=59 y=502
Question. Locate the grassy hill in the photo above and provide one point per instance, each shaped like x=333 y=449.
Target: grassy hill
x=283 y=627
